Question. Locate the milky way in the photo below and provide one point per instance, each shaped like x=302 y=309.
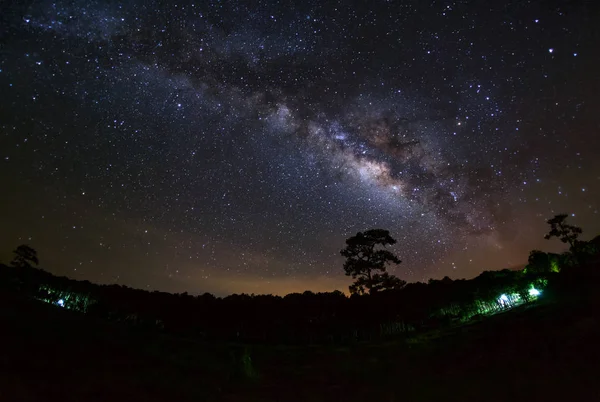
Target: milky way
x=232 y=147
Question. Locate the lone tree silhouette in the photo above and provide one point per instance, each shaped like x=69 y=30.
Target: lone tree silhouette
x=563 y=231
x=367 y=264
x=24 y=255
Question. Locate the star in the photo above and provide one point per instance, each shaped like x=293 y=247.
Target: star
x=234 y=149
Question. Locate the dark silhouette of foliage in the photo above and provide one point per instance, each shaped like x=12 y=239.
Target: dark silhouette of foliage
x=24 y=256
x=560 y=229
x=580 y=252
x=366 y=263
x=391 y=307
x=596 y=242
x=297 y=318
x=385 y=281
x=540 y=262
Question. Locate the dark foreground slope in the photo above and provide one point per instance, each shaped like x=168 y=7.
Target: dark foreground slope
x=544 y=353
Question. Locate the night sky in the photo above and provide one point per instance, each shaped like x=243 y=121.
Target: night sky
x=226 y=147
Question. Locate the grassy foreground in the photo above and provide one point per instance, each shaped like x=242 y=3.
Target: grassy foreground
x=546 y=352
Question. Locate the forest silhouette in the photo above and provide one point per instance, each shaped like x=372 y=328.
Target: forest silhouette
x=381 y=305
x=516 y=335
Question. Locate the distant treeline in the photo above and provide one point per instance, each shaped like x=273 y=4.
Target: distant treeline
x=298 y=317
x=381 y=305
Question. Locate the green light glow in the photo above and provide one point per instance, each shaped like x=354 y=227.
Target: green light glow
x=534 y=292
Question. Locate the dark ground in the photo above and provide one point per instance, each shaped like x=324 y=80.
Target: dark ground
x=543 y=353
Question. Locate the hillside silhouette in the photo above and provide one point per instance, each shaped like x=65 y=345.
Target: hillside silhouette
x=506 y=330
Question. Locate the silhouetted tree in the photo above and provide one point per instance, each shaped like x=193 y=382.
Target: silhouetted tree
x=563 y=231
x=385 y=281
x=363 y=258
x=540 y=262
x=24 y=255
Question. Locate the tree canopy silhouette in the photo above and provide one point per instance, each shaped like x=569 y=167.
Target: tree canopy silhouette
x=562 y=230
x=366 y=263
x=580 y=252
x=24 y=256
